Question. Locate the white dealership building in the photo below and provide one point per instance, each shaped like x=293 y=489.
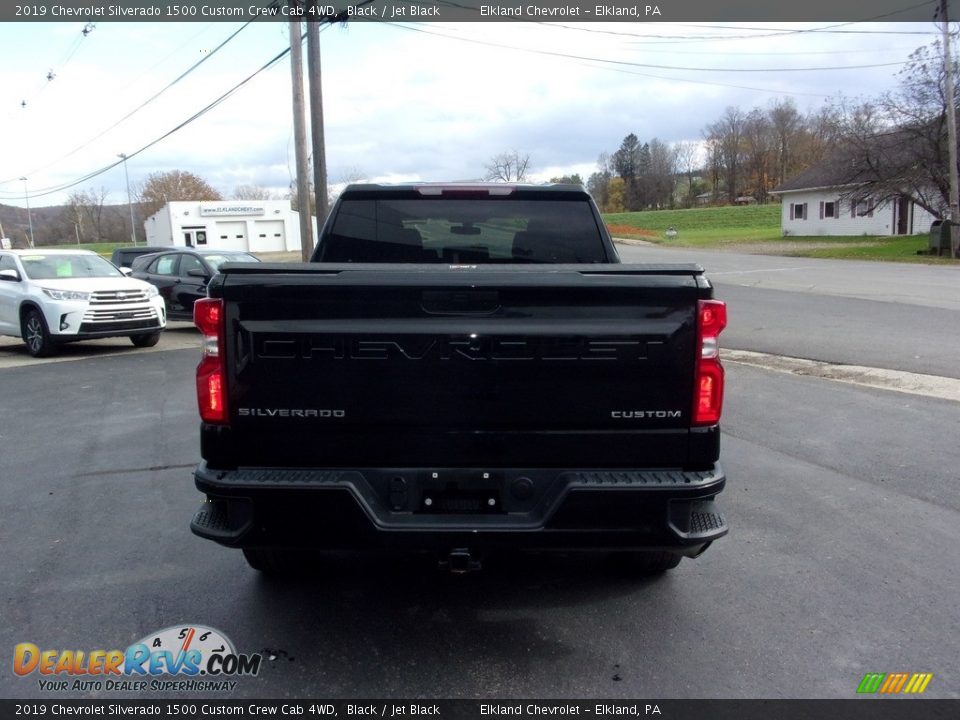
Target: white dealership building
x=251 y=225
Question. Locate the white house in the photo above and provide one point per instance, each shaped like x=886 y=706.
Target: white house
x=251 y=225
x=814 y=203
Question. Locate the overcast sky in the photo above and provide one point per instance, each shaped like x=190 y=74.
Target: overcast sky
x=401 y=102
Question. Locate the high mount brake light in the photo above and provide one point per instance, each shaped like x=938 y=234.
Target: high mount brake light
x=211 y=372
x=465 y=189
x=708 y=383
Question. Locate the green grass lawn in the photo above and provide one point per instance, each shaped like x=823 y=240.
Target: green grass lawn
x=899 y=249
x=699 y=227
x=759 y=225
x=101 y=248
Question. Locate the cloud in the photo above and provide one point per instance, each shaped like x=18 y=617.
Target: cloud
x=398 y=103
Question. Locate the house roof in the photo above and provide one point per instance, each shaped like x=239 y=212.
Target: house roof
x=825 y=175
x=845 y=165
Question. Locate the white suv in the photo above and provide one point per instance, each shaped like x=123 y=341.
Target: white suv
x=48 y=297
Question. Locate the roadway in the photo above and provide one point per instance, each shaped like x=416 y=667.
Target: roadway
x=842 y=556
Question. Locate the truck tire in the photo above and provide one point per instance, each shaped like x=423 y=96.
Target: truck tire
x=36 y=335
x=144 y=341
x=647 y=562
x=274 y=561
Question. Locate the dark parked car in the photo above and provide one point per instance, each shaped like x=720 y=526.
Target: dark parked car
x=123 y=257
x=182 y=275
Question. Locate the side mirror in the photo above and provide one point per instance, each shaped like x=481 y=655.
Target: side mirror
x=126 y=271
x=10 y=275
x=197 y=272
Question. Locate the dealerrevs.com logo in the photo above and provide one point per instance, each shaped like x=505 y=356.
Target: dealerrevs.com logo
x=199 y=657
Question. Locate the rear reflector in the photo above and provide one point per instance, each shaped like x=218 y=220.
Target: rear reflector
x=708 y=383
x=211 y=372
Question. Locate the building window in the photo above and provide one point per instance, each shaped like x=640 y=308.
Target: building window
x=829 y=209
x=800 y=211
x=864 y=208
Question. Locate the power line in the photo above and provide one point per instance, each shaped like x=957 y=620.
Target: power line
x=41 y=192
x=142 y=105
x=68 y=54
x=626 y=63
x=769 y=32
x=65 y=186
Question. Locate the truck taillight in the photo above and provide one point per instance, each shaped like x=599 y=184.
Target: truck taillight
x=211 y=372
x=708 y=386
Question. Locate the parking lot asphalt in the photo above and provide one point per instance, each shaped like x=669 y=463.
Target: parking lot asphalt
x=841 y=560
x=842 y=557
x=178 y=335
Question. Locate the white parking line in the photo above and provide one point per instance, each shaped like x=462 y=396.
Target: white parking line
x=764 y=270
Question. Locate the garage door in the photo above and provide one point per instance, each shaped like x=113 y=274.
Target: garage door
x=269 y=236
x=230 y=236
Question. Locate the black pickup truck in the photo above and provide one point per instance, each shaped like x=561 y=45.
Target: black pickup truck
x=461 y=369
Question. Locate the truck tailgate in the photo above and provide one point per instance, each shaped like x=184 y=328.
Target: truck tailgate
x=427 y=365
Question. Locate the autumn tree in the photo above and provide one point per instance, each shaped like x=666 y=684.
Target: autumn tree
x=574 y=179
x=162 y=187
x=626 y=163
x=598 y=183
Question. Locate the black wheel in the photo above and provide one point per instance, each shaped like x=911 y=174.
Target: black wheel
x=276 y=561
x=35 y=334
x=145 y=340
x=647 y=562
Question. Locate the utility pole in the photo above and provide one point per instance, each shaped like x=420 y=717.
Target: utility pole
x=133 y=232
x=300 y=138
x=951 y=134
x=316 y=116
x=26 y=195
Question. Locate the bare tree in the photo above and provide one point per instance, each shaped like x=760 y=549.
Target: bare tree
x=509 y=166
x=662 y=173
x=897 y=145
x=163 y=187
x=759 y=141
x=294 y=197
x=73 y=214
x=252 y=192
x=346 y=177
x=727 y=134
x=686 y=153
x=85 y=208
x=786 y=123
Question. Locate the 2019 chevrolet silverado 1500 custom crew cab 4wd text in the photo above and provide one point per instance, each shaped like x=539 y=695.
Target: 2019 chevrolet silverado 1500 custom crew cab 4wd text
x=461 y=369
x=49 y=297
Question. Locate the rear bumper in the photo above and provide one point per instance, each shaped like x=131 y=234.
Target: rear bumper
x=436 y=509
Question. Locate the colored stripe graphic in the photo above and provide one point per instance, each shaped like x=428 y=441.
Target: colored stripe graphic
x=871 y=682
x=918 y=683
x=894 y=683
